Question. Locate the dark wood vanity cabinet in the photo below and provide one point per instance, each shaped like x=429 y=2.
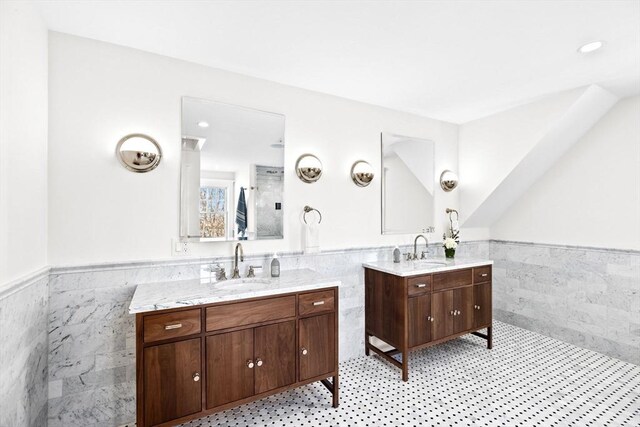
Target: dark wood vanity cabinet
x=169 y=373
x=409 y=313
x=197 y=361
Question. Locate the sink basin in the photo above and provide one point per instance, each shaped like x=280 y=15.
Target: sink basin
x=429 y=264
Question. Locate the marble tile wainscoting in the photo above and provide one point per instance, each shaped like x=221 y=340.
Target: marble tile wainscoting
x=24 y=351
x=589 y=297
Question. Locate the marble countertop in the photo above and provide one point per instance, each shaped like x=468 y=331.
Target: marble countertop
x=184 y=293
x=425 y=266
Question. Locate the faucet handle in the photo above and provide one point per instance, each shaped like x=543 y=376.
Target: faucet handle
x=221 y=274
x=252 y=269
x=423 y=255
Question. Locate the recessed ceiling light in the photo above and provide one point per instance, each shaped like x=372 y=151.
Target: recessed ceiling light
x=590 y=47
x=203 y=124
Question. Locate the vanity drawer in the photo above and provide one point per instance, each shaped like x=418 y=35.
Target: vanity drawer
x=482 y=274
x=419 y=285
x=451 y=279
x=316 y=302
x=249 y=312
x=158 y=327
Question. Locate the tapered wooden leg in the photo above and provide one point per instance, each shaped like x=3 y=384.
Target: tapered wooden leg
x=366 y=344
x=336 y=396
x=405 y=366
x=490 y=337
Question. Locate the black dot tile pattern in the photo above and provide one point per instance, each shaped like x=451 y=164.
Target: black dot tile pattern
x=526 y=380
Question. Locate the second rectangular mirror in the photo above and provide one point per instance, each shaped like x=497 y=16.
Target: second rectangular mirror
x=408 y=184
x=232 y=172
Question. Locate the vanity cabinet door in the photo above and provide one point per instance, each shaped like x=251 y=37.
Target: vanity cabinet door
x=463 y=302
x=230 y=367
x=317 y=346
x=482 y=306
x=172 y=385
x=419 y=320
x=275 y=356
x=442 y=314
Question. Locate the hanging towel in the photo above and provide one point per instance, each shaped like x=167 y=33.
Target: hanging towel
x=311 y=238
x=241 y=213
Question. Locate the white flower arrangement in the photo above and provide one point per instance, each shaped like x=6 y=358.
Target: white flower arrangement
x=450 y=243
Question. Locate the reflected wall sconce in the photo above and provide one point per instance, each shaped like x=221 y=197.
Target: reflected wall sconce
x=362 y=173
x=448 y=180
x=308 y=168
x=139 y=152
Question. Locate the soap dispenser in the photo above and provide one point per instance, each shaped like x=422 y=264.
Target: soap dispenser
x=275 y=266
x=396 y=255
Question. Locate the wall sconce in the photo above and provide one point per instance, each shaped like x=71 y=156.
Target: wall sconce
x=309 y=168
x=139 y=153
x=362 y=173
x=448 y=180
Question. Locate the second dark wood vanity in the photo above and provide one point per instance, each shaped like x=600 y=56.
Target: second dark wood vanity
x=414 y=312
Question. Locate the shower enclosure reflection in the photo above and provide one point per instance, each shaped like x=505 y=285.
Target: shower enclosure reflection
x=232 y=172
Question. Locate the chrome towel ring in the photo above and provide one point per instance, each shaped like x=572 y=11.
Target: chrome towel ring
x=308 y=209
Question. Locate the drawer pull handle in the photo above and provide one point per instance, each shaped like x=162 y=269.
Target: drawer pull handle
x=304 y=351
x=258 y=362
x=196 y=376
x=484 y=274
x=173 y=326
x=318 y=303
x=421 y=285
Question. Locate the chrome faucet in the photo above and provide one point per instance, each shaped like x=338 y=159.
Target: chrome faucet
x=415 y=247
x=236 y=270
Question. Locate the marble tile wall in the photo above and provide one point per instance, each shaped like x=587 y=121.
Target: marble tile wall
x=585 y=296
x=24 y=352
x=588 y=297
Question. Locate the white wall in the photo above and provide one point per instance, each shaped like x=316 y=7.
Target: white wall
x=23 y=140
x=492 y=146
x=100 y=212
x=591 y=196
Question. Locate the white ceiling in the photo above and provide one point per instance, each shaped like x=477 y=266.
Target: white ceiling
x=451 y=60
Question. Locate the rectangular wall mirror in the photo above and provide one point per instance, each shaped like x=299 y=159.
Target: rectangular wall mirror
x=408 y=184
x=232 y=172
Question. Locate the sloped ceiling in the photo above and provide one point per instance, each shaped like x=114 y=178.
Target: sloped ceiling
x=556 y=138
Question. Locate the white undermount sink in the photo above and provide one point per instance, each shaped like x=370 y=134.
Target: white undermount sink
x=428 y=264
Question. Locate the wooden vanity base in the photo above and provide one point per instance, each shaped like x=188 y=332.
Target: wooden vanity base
x=412 y=313
x=198 y=360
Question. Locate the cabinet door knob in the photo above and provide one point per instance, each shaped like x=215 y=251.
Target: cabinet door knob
x=196 y=376
x=250 y=364
x=259 y=362
x=459 y=313
x=429 y=318
x=303 y=351
x=453 y=313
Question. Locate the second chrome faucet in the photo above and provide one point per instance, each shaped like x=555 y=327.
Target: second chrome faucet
x=414 y=256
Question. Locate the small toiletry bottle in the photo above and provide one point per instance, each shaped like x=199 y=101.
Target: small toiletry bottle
x=396 y=255
x=275 y=266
